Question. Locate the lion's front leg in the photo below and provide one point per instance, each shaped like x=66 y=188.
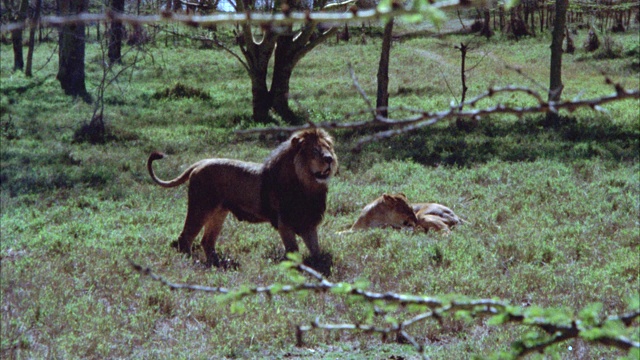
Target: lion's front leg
x=310 y=239
x=288 y=238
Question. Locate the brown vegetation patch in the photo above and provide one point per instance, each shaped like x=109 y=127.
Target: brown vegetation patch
x=181 y=91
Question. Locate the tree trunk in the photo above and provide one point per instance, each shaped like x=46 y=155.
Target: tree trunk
x=71 y=51
x=382 y=97
x=555 y=78
x=257 y=55
x=16 y=37
x=261 y=99
x=555 y=74
x=32 y=39
x=282 y=70
x=116 y=34
x=289 y=50
x=486 y=28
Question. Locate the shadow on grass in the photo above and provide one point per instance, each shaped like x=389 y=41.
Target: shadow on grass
x=464 y=143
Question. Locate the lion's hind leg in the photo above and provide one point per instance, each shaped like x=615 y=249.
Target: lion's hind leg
x=192 y=225
x=198 y=212
x=212 y=228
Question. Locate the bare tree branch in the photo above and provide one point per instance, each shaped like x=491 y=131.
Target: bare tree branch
x=256 y=18
x=434 y=309
x=423 y=118
x=363 y=94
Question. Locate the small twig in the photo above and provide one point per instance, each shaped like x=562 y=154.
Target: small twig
x=519 y=71
x=363 y=94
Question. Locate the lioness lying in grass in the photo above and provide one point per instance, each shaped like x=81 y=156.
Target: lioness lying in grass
x=394 y=210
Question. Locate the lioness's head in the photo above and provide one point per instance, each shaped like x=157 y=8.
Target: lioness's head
x=315 y=161
x=391 y=210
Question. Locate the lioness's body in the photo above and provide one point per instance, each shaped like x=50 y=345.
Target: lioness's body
x=289 y=190
x=388 y=210
x=444 y=213
x=428 y=222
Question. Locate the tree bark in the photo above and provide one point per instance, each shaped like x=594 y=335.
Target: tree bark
x=555 y=74
x=282 y=70
x=71 y=50
x=382 y=97
x=116 y=34
x=32 y=38
x=257 y=55
x=291 y=47
x=486 y=28
x=16 y=37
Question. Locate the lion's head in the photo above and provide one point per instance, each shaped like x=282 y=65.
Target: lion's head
x=315 y=160
x=387 y=210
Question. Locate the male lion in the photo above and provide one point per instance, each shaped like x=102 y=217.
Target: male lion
x=387 y=210
x=289 y=190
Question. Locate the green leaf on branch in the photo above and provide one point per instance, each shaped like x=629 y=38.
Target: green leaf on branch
x=388 y=307
x=498 y=319
x=341 y=288
x=295 y=257
x=417 y=308
x=610 y=329
x=275 y=288
x=361 y=284
x=590 y=315
x=464 y=315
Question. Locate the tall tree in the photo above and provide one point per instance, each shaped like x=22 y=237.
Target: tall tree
x=555 y=74
x=71 y=50
x=486 y=22
x=287 y=45
x=116 y=33
x=382 y=98
x=16 y=37
x=32 y=38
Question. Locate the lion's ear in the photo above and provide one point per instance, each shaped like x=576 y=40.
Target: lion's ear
x=296 y=140
x=402 y=195
x=387 y=196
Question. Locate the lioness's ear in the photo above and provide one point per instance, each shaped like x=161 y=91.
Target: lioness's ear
x=387 y=196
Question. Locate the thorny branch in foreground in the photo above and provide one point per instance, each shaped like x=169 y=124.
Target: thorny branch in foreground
x=557 y=326
x=422 y=118
x=283 y=18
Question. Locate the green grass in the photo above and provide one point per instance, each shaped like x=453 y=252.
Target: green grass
x=553 y=209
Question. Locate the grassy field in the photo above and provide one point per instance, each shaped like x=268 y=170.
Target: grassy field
x=553 y=209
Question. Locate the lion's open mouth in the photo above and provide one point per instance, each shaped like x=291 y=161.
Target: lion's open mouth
x=322 y=175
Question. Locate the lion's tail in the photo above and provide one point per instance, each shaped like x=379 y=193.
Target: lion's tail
x=171 y=183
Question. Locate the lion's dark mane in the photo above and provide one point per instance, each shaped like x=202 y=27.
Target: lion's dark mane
x=299 y=205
